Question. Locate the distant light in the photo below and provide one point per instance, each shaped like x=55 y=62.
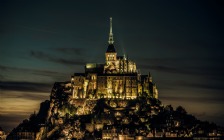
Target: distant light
x=90 y=65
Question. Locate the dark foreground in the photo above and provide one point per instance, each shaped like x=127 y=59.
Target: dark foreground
x=185 y=138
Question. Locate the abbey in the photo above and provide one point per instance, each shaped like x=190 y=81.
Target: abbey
x=110 y=101
x=116 y=78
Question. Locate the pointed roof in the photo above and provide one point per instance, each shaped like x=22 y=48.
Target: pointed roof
x=111 y=47
x=111 y=40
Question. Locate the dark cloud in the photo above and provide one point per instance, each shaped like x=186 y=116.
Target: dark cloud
x=72 y=51
x=27 y=95
x=36 y=29
x=165 y=86
x=2 y=77
x=203 y=85
x=36 y=71
x=190 y=70
x=3 y=68
x=193 y=99
x=186 y=44
x=181 y=59
x=47 y=57
x=53 y=74
x=162 y=68
x=25 y=86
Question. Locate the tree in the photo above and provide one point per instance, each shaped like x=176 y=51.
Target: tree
x=181 y=110
x=169 y=108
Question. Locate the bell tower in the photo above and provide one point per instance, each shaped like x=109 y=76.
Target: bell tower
x=111 y=54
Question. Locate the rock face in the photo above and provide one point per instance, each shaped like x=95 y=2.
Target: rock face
x=108 y=118
x=97 y=118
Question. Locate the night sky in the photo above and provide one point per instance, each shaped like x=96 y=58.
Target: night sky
x=180 y=42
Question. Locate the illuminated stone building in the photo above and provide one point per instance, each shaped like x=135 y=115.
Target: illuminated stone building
x=116 y=78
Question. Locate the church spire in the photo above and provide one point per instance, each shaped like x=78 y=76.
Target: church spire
x=111 y=40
